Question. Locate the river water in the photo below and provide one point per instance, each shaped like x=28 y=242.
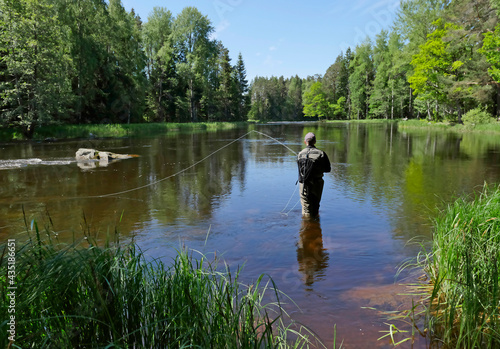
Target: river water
x=215 y=192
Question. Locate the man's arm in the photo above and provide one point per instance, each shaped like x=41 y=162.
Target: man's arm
x=326 y=163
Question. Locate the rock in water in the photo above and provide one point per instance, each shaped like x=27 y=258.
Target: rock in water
x=86 y=154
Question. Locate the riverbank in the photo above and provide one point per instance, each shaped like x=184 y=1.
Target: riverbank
x=423 y=124
x=462 y=291
x=86 y=295
x=56 y=132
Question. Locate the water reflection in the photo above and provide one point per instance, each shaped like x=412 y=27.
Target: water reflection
x=376 y=199
x=92 y=164
x=311 y=255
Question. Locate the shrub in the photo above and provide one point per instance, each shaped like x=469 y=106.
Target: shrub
x=477 y=116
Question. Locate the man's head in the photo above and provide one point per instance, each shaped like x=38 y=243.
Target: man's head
x=310 y=138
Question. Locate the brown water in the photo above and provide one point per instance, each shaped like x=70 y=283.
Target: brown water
x=241 y=202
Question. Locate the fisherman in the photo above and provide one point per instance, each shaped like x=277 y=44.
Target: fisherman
x=312 y=163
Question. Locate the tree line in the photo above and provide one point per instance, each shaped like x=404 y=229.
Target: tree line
x=440 y=60
x=91 y=61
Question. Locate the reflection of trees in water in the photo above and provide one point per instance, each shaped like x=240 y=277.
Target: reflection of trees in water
x=195 y=193
x=192 y=194
x=311 y=256
x=408 y=174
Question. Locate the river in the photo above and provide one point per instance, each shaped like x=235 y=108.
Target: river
x=234 y=193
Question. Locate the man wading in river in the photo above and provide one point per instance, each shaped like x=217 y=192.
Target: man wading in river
x=312 y=163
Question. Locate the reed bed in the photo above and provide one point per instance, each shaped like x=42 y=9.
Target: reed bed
x=464 y=292
x=88 y=296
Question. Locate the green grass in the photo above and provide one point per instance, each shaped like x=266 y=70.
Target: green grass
x=493 y=127
x=463 y=270
x=88 y=296
x=114 y=130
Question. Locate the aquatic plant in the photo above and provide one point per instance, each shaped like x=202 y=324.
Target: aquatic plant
x=461 y=288
x=86 y=296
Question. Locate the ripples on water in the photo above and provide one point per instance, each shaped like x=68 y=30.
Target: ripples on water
x=18 y=163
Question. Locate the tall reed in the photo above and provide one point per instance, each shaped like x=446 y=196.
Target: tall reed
x=463 y=309
x=88 y=296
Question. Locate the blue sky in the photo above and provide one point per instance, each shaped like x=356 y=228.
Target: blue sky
x=278 y=37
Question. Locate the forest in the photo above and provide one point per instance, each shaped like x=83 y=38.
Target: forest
x=92 y=62
x=440 y=60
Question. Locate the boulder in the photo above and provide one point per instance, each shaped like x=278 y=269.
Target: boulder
x=86 y=154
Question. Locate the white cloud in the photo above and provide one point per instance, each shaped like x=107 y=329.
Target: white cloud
x=273 y=48
x=271 y=62
x=223 y=25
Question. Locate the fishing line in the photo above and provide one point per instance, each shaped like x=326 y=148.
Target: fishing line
x=173 y=175
x=196 y=163
x=288 y=203
x=296 y=186
x=283 y=144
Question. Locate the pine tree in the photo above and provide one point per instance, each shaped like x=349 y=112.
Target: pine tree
x=228 y=89
x=242 y=87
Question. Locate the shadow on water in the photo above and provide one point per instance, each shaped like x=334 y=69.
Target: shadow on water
x=311 y=255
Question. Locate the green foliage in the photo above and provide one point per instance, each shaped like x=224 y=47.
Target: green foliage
x=34 y=84
x=432 y=62
x=490 y=50
x=339 y=108
x=463 y=268
x=477 y=116
x=91 y=61
x=315 y=103
x=361 y=80
x=380 y=98
x=84 y=295
x=272 y=100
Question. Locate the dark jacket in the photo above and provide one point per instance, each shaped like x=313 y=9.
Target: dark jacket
x=318 y=160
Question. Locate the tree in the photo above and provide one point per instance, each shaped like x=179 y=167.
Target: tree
x=192 y=48
x=242 y=87
x=400 y=91
x=490 y=50
x=35 y=89
x=315 y=103
x=227 y=92
x=89 y=26
x=160 y=65
x=127 y=88
x=342 y=86
x=414 y=21
x=361 y=79
x=380 y=102
x=294 y=99
x=433 y=65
